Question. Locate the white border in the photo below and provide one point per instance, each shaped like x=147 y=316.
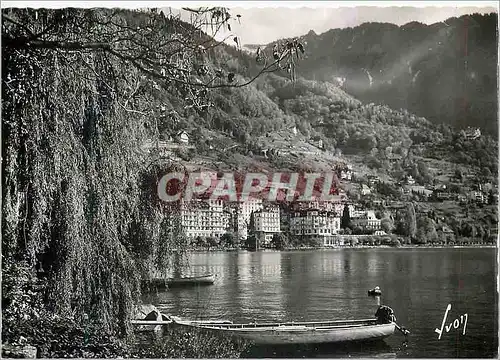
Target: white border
x=246 y=4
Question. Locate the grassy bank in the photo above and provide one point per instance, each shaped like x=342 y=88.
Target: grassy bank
x=29 y=324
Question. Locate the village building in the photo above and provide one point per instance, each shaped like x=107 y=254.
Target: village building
x=365 y=190
x=316 y=225
x=373 y=180
x=410 y=180
x=445 y=234
x=204 y=218
x=266 y=223
x=367 y=221
x=478 y=197
x=420 y=190
x=182 y=137
x=243 y=212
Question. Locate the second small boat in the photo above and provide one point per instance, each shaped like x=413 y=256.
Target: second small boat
x=203 y=280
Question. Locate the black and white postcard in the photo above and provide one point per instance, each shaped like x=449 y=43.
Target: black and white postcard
x=249 y=179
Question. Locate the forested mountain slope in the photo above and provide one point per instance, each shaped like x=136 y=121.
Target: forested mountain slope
x=446 y=72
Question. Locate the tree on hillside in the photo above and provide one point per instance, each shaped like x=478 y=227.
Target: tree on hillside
x=387 y=225
x=345 y=221
x=426 y=231
x=458 y=174
x=486 y=173
x=410 y=221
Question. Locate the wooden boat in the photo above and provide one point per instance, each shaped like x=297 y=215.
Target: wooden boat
x=208 y=279
x=316 y=332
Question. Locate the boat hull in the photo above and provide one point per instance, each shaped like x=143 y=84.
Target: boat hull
x=191 y=281
x=180 y=282
x=306 y=334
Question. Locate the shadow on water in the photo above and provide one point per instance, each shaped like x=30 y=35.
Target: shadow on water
x=378 y=349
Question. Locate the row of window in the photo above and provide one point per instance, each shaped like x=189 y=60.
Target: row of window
x=314 y=232
x=268 y=229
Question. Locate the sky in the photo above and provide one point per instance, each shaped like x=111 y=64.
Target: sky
x=264 y=25
x=262 y=22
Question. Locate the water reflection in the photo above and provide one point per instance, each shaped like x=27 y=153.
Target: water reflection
x=418 y=284
x=375 y=349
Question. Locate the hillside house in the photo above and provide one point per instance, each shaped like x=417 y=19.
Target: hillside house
x=478 y=197
x=373 y=180
x=445 y=234
x=346 y=175
x=421 y=191
x=365 y=190
x=182 y=137
x=472 y=133
x=443 y=195
x=410 y=180
x=462 y=199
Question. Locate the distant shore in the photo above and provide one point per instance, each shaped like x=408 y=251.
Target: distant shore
x=413 y=246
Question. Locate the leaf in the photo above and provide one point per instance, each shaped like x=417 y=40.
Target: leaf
x=229 y=27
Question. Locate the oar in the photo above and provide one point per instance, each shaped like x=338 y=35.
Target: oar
x=403 y=330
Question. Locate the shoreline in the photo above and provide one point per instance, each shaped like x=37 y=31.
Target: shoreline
x=402 y=247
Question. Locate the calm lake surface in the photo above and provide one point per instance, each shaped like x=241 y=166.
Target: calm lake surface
x=332 y=284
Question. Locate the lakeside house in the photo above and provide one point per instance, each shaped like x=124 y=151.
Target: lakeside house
x=204 y=218
x=367 y=221
x=243 y=212
x=316 y=225
x=266 y=223
x=445 y=234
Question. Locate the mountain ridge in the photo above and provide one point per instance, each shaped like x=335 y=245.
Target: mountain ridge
x=446 y=71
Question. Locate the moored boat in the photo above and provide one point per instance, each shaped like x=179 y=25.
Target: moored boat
x=303 y=332
x=208 y=279
x=313 y=332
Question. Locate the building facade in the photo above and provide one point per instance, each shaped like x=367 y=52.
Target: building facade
x=267 y=223
x=242 y=214
x=367 y=221
x=204 y=218
x=316 y=225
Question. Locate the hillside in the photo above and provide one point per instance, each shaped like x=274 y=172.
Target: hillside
x=88 y=97
x=445 y=72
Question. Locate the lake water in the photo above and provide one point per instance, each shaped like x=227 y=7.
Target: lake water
x=332 y=284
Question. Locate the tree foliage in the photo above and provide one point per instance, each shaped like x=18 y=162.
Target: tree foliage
x=82 y=90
